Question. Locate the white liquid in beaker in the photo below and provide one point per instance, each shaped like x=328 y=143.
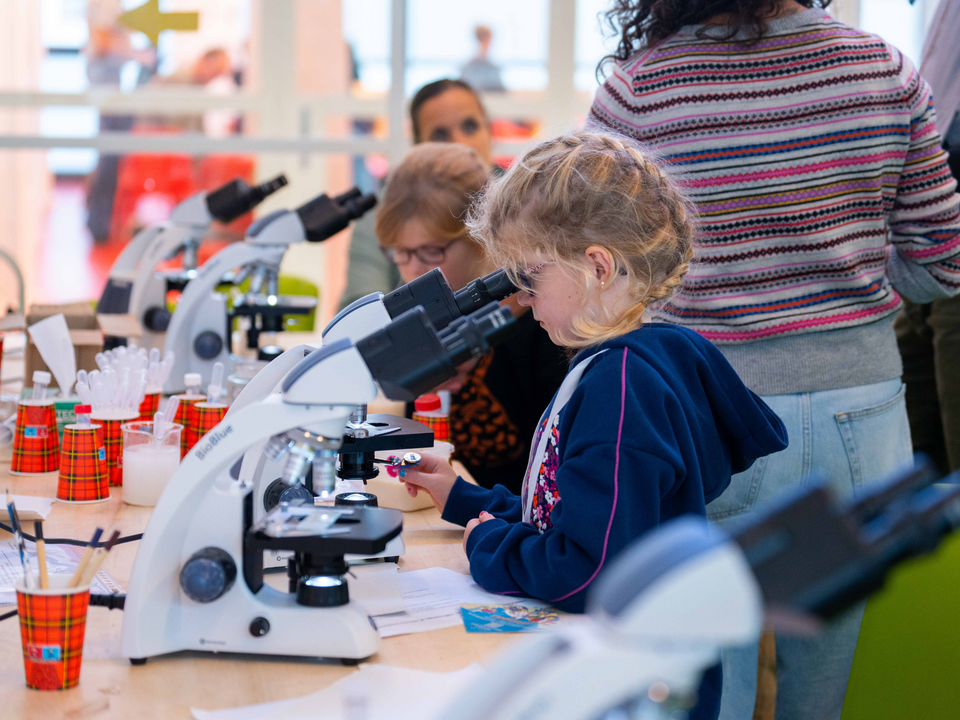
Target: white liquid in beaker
x=146 y=470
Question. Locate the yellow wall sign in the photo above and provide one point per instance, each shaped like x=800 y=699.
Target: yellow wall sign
x=148 y=19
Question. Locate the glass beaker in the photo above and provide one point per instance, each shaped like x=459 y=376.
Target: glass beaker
x=148 y=463
x=242 y=373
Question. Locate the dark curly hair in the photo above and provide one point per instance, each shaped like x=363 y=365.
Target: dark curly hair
x=647 y=22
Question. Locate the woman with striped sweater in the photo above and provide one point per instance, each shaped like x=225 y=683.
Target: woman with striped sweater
x=811 y=152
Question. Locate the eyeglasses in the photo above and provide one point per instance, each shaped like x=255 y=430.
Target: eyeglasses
x=427 y=254
x=527 y=278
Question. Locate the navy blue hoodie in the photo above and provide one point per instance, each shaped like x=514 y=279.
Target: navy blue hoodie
x=654 y=430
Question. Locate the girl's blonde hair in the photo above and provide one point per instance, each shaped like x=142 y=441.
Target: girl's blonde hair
x=583 y=189
x=435 y=183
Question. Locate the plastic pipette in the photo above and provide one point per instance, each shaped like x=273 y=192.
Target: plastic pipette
x=102 y=361
x=165 y=368
x=83 y=390
x=170 y=409
x=215 y=388
x=159 y=426
x=41 y=380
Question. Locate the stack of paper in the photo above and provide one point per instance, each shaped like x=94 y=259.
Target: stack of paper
x=432 y=600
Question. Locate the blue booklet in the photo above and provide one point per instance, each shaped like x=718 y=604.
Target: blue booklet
x=507 y=618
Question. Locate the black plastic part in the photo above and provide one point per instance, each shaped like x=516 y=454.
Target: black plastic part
x=432 y=292
x=236 y=198
x=115 y=299
x=112 y=341
x=323 y=217
x=479 y=332
x=208 y=344
x=368 y=532
x=481 y=292
x=138 y=661
x=156 y=319
x=406 y=358
x=259 y=627
x=113 y=601
x=208 y=574
x=323 y=591
x=356 y=499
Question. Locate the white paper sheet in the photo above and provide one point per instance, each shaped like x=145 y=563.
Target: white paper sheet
x=376 y=587
x=28 y=508
x=374 y=692
x=61 y=560
x=432 y=600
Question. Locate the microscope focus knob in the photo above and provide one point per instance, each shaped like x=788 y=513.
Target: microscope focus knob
x=208 y=344
x=156 y=319
x=208 y=574
x=259 y=627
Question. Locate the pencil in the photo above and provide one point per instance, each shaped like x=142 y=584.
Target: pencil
x=85 y=558
x=41 y=554
x=98 y=557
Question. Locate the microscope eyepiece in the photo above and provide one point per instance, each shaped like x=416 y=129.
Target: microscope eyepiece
x=432 y=292
x=409 y=357
x=236 y=198
x=323 y=217
x=480 y=292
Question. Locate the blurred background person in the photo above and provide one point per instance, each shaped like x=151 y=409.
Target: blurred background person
x=480 y=73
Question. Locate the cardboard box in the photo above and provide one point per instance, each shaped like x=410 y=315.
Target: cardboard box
x=85 y=333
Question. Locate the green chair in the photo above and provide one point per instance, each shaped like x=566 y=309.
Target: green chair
x=907 y=663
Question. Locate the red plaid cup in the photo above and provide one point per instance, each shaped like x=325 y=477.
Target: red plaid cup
x=149 y=406
x=36 y=446
x=113 y=441
x=439 y=425
x=52 y=623
x=184 y=413
x=83 y=466
x=203 y=419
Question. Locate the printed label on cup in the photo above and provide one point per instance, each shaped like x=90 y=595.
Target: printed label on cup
x=36 y=431
x=101 y=453
x=35 y=415
x=43 y=653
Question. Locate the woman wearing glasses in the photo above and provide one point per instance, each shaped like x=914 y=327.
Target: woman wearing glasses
x=495 y=404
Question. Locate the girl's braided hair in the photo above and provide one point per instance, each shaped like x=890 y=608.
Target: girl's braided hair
x=583 y=189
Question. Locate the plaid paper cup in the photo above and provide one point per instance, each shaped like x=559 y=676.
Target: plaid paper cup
x=184 y=413
x=203 y=419
x=113 y=441
x=52 y=623
x=149 y=406
x=83 y=466
x=439 y=425
x=36 y=446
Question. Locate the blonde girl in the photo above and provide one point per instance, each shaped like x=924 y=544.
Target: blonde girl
x=650 y=421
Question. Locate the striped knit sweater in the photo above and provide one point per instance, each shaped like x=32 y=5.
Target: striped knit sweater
x=814 y=161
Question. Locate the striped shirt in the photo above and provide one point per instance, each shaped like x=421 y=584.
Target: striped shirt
x=815 y=163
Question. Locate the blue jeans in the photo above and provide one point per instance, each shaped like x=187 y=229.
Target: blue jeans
x=852 y=437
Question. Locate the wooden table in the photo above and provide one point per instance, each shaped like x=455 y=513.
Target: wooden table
x=167 y=686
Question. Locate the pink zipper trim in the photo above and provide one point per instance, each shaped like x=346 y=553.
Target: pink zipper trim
x=616 y=476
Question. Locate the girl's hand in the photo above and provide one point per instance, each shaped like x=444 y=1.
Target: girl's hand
x=433 y=476
x=484 y=516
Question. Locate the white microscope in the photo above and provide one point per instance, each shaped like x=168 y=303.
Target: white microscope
x=197 y=582
x=365 y=434
x=135 y=286
x=200 y=330
x=658 y=616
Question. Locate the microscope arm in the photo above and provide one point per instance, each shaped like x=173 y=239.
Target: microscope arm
x=179 y=337
x=165 y=243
